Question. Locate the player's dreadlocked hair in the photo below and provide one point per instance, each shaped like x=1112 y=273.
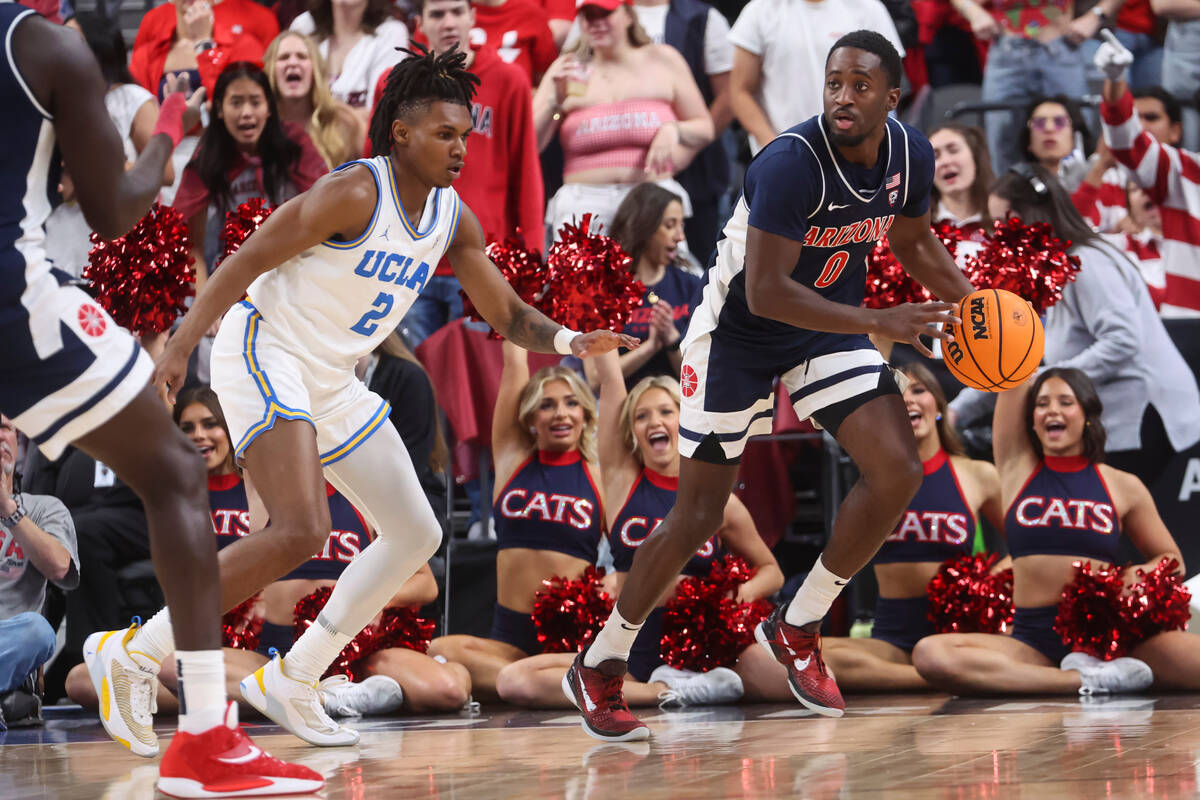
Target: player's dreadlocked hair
x=414 y=83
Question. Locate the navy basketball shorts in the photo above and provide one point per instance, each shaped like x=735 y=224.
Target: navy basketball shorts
x=68 y=367
x=728 y=394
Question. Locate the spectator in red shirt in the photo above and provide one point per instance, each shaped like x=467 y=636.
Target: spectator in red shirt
x=1170 y=176
x=502 y=179
x=519 y=31
x=245 y=152
x=201 y=38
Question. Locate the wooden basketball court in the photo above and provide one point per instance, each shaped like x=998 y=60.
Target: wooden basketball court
x=890 y=747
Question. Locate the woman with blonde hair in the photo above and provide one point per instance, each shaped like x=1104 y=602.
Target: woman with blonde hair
x=301 y=86
x=547 y=506
x=639 y=458
x=625 y=110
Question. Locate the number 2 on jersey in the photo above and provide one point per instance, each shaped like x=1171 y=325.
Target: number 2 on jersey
x=833 y=269
x=367 y=324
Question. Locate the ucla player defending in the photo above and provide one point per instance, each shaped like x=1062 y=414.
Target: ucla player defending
x=330 y=275
x=70 y=375
x=783 y=300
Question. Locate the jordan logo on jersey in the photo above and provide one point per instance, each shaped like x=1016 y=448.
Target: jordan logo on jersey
x=931 y=526
x=393 y=268
x=872 y=230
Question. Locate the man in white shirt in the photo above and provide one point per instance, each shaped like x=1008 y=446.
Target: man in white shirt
x=779 y=49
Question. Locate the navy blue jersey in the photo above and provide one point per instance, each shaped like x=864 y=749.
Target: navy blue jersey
x=349 y=535
x=651 y=497
x=551 y=503
x=800 y=187
x=938 y=523
x=680 y=290
x=1064 y=509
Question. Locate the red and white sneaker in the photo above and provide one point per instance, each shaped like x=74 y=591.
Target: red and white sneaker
x=800 y=651
x=597 y=693
x=223 y=762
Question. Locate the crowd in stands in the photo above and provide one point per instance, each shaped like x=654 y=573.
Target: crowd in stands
x=644 y=115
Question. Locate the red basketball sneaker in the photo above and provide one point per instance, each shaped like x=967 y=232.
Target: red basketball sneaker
x=223 y=762
x=800 y=652
x=596 y=692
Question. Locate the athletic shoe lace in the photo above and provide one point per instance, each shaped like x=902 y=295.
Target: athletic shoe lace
x=141 y=698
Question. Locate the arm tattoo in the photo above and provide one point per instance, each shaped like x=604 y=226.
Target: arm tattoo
x=532 y=330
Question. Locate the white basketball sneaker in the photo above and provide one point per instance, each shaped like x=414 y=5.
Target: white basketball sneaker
x=125 y=688
x=1119 y=676
x=378 y=694
x=715 y=687
x=294 y=705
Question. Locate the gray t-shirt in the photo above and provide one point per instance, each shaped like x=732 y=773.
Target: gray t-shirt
x=22 y=587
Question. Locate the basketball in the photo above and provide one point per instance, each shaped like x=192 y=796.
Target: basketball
x=999 y=342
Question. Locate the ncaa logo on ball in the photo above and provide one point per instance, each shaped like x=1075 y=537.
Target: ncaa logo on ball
x=979 y=328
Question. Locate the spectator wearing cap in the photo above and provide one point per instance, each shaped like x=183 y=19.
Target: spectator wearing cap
x=502 y=178
x=358 y=41
x=625 y=110
x=779 y=51
x=701 y=35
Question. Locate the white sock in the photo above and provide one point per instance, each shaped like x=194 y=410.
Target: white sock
x=154 y=640
x=314 y=651
x=615 y=640
x=201 y=689
x=815 y=597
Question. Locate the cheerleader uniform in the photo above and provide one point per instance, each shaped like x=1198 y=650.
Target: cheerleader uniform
x=1064 y=508
x=652 y=496
x=938 y=525
x=550 y=503
x=349 y=535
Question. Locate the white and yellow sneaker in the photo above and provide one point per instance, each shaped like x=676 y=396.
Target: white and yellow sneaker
x=294 y=705
x=126 y=690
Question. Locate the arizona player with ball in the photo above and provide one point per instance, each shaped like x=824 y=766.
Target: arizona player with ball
x=783 y=300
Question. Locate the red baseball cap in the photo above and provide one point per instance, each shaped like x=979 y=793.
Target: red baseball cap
x=607 y=5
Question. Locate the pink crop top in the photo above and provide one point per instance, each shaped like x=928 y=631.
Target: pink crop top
x=612 y=134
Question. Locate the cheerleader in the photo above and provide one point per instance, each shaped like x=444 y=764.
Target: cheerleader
x=939 y=524
x=1064 y=505
x=396 y=676
x=639 y=458
x=547 y=507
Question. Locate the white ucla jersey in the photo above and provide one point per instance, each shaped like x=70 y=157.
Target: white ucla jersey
x=337 y=301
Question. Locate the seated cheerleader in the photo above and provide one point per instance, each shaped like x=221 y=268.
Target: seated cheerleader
x=1064 y=505
x=939 y=524
x=639 y=458
x=396 y=676
x=548 y=511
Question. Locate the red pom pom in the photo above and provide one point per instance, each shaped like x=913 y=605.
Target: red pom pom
x=403 y=627
x=241 y=629
x=1099 y=616
x=588 y=282
x=348 y=661
x=965 y=597
x=704 y=627
x=949 y=235
x=520 y=267
x=143 y=278
x=240 y=223
x=1089 y=616
x=888 y=284
x=569 y=613
x=1027 y=260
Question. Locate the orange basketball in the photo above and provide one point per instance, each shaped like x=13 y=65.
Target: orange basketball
x=999 y=343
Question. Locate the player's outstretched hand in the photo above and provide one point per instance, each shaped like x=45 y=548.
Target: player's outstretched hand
x=593 y=343
x=170 y=371
x=910 y=321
